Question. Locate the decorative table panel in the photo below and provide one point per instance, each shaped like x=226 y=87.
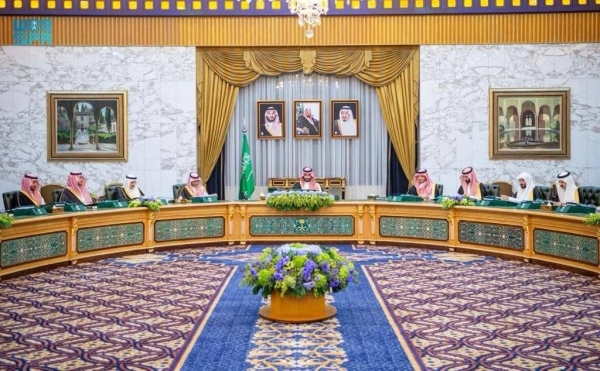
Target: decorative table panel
x=510 y=237
x=430 y=229
x=566 y=245
x=301 y=225
x=89 y=239
x=184 y=229
x=28 y=249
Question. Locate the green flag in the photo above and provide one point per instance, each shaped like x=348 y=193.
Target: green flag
x=247 y=176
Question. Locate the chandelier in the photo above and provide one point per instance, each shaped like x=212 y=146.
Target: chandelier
x=309 y=12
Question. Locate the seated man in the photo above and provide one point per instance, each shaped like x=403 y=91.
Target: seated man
x=423 y=186
x=130 y=190
x=470 y=185
x=527 y=190
x=76 y=191
x=307 y=181
x=566 y=190
x=30 y=195
x=194 y=187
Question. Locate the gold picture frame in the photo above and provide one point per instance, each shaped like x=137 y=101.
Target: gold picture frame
x=307 y=116
x=265 y=111
x=345 y=119
x=530 y=123
x=87 y=125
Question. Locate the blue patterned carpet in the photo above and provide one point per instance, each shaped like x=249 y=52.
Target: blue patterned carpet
x=413 y=309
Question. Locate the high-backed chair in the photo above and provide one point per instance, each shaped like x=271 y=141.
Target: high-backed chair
x=47 y=191
x=177 y=189
x=56 y=194
x=439 y=188
x=546 y=192
x=111 y=191
x=492 y=189
x=589 y=195
x=10 y=200
x=506 y=188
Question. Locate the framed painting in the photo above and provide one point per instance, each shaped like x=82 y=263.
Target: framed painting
x=345 y=119
x=270 y=122
x=307 y=119
x=87 y=126
x=530 y=123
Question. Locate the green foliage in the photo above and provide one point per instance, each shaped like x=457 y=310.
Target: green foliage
x=6 y=220
x=151 y=204
x=301 y=200
x=448 y=202
x=592 y=219
x=298 y=269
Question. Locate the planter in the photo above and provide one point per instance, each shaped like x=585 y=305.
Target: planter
x=292 y=309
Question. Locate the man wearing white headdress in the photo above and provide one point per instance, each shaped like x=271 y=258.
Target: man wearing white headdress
x=566 y=190
x=129 y=191
x=346 y=124
x=271 y=127
x=526 y=190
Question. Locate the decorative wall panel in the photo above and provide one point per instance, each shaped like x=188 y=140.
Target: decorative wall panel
x=566 y=245
x=96 y=238
x=491 y=234
x=430 y=229
x=27 y=249
x=183 y=229
x=301 y=225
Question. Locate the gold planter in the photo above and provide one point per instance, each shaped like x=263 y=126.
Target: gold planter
x=292 y=309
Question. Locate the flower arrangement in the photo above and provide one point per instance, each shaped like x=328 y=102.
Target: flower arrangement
x=6 y=220
x=299 y=200
x=299 y=269
x=592 y=219
x=449 y=202
x=149 y=202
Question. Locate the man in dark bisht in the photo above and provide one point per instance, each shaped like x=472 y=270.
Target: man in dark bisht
x=129 y=191
x=193 y=188
x=30 y=195
x=470 y=185
x=307 y=181
x=76 y=191
x=423 y=186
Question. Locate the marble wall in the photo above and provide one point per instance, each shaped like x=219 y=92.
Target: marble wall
x=454 y=108
x=161 y=88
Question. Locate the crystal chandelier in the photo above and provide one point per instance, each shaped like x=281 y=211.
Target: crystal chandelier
x=309 y=12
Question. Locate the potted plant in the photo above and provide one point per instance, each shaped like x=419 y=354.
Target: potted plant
x=450 y=202
x=149 y=202
x=6 y=220
x=299 y=200
x=297 y=276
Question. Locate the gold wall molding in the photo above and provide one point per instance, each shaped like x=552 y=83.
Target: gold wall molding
x=335 y=30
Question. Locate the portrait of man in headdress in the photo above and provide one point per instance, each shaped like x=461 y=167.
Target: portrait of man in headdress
x=344 y=119
x=271 y=119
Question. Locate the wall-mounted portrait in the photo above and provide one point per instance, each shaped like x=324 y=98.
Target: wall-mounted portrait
x=87 y=125
x=307 y=114
x=270 y=120
x=530 y=123
x=344 y=119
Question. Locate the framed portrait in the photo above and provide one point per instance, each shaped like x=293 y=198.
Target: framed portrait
x=307 y=119
x=345 y=119
x=270 y=120
x=530 y=123
x=87 y=126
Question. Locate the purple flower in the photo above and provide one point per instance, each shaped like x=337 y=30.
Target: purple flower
x=309 y=285
x=281 y=263
x=325 y=267
x=334 y=283
x=253 y=272
x=278 y=276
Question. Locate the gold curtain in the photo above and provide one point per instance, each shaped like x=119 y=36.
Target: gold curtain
x=394 y=71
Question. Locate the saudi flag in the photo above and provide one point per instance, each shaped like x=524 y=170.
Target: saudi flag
x=247 y=176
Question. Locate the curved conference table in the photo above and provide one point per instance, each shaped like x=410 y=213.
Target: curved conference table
x=531 y=235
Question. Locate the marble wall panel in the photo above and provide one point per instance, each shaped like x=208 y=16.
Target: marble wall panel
x=454 y=120
x=160 y=83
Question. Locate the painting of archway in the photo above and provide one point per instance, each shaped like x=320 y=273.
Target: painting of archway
x=87 y=126
x=529 y=123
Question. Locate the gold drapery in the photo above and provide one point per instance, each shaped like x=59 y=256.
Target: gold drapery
x=393 y=71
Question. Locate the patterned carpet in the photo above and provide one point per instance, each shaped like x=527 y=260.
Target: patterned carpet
x=413 y=309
